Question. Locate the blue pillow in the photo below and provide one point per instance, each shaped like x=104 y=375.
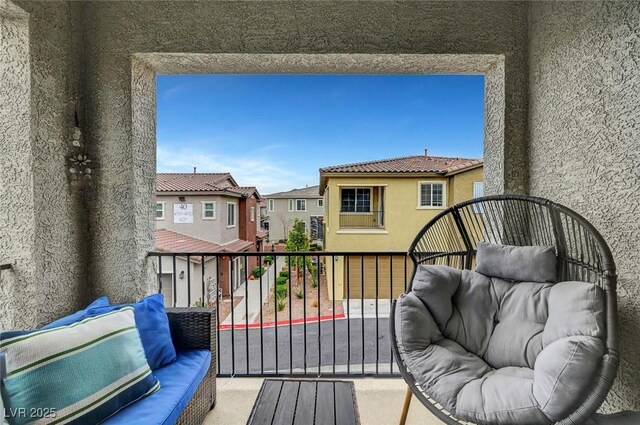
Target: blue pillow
x=153 y=325
x=79 y=315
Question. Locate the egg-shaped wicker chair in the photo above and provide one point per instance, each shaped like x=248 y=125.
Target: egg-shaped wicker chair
x=452 y=239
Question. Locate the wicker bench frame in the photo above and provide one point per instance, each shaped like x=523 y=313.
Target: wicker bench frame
x=195 y=329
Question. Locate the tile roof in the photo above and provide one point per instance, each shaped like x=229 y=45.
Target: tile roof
x=170 y=241
x=305 y=192
x=190 y=182
x=407 y=164
x=244 y=190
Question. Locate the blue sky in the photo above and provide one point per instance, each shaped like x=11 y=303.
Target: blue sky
x=276 y=131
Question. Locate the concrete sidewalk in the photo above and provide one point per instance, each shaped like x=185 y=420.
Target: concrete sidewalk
x=249 y=307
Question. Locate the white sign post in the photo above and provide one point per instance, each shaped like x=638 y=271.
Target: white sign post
x=183 y=213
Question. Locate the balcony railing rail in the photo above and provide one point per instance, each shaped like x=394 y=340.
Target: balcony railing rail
x=362 y=220
x=327 y=317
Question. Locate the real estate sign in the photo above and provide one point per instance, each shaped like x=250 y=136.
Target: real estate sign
x=183 y=213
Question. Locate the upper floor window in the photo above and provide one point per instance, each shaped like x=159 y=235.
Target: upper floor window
x=356 y=200
x=431 y=194
x=253 y=213
x=159 y=210
x=272 y=205
x=478 y=192
x=320 y=203
x=208 y=210
x=297 y=205
x=231 y=214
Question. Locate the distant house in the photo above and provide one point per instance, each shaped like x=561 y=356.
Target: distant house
x=208 y=212
x=305 y=204
x=381 y=206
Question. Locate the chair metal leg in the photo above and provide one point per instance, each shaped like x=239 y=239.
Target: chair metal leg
x=405 y=406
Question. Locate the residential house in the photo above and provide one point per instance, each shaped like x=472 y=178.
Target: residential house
x=305 y=204
x=380 y=206
x=206 y=212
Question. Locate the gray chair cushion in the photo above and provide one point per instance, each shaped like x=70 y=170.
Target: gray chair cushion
x=520 y=263
x=493 y=351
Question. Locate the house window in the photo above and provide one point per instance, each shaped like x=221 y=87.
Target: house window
x=431 y=195
x=356 y=200
x=231 y=214
x=159 y=210
x=253 y=213
x=208 y=210
x=272 y=205
x=478 y=192
x=320 y=203
x=297 y=205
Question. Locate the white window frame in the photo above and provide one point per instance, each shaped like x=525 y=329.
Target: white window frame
x=271 y=205
x=444 y=195
x=234 y=215
x=292 y=205
x=163 y=210
x=321 y=203
x=215 y=208
x=252 y=213
x=356 y=188
x=477 y=208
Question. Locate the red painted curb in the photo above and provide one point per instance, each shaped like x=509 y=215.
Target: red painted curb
x=282 y=323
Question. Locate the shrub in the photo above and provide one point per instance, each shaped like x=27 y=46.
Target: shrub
x=314 y=303
x=313 y=273
x=284 y=273
x=281 y=291
x=258 y=271
x=299 y=293
x=281 y=303
x=315 y=247
x=281 y=280
x=268 y=260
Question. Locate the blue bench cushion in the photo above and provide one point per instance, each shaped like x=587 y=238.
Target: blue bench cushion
x=178 y=383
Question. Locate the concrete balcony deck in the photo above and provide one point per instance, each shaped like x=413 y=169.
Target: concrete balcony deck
x=379 y=402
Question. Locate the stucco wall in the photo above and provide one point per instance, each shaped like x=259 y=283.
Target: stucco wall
x=42 y=219
x=117 y=30
x=214 y=230
x=585 y=128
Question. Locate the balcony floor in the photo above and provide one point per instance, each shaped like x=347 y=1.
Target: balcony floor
x=379 y=402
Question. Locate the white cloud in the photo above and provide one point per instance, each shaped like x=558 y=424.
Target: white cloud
x=260 y=167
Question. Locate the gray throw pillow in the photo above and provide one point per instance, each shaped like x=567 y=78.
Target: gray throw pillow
x=519 y=263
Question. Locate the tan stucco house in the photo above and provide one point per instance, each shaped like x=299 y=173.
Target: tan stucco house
x=380 y=206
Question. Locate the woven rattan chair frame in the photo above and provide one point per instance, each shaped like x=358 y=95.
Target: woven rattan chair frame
x=451 y=239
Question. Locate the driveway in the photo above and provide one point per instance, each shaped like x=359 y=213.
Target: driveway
x=291 y=356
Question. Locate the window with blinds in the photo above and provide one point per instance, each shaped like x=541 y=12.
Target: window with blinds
x=431 y=194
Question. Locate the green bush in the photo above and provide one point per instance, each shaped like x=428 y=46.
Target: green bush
x=268 y=260
x=281 y=303
x=284 y=273
x=258 y=271
x=281 y=291
x=315 y=247
x=281 y=280
x=313 y=273
x=299 y=293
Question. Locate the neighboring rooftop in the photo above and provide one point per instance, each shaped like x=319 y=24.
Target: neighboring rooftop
x=170 y=241
x=202 y=182
x=407 y=164
x=305 y=192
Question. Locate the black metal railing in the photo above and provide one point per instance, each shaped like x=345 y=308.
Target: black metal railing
x=303 y=313
x=362 y=220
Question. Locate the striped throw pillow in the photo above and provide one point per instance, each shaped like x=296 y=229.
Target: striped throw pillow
x=81 y=373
